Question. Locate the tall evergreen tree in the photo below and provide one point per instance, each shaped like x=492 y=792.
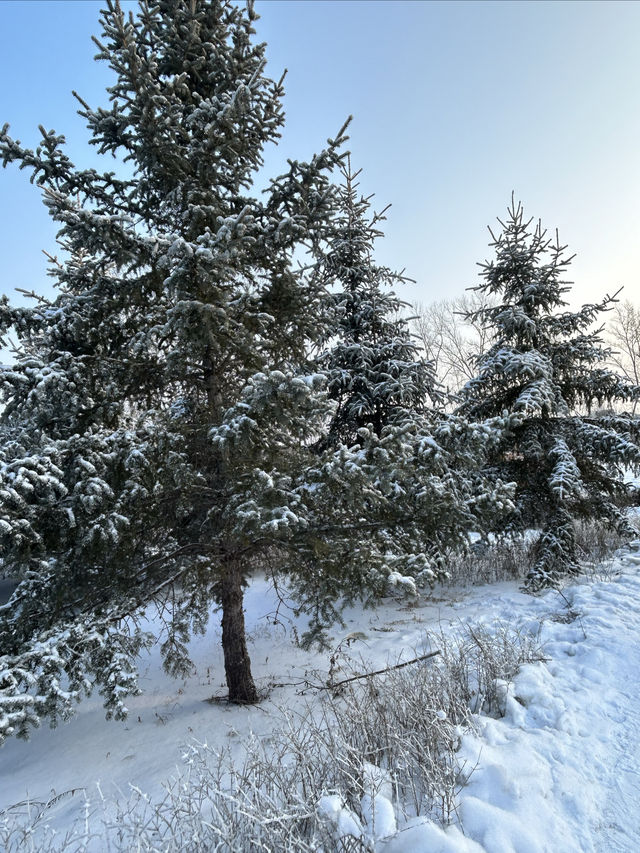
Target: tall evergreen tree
x=546 y=371
x=373 y=369
x=160 y=405
x=404 y=478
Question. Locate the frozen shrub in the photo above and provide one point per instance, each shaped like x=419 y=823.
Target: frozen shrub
x=338 y=775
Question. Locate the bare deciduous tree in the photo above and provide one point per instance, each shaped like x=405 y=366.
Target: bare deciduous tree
x=452 y=340
x=623 y=333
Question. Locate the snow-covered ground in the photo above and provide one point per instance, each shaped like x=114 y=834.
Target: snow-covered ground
x=558 y=772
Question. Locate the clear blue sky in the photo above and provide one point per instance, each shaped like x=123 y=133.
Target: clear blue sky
x=455 y=105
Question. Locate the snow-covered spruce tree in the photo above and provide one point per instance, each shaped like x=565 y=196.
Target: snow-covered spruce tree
x=159 y=407
x=403 y=479
x=546 y=371
x=372 y=367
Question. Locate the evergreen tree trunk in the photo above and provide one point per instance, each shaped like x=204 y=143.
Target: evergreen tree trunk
x=237 y=666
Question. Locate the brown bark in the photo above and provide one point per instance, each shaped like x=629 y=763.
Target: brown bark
x=237 y=666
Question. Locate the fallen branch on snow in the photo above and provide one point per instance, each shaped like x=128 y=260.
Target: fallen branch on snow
x=333 y=685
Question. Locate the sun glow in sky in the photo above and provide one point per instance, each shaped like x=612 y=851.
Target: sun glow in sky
x=455 y=105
